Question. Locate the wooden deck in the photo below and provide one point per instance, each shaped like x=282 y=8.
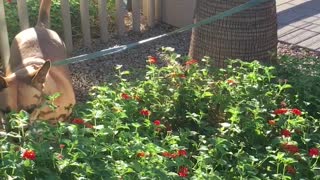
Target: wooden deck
x=299 y=22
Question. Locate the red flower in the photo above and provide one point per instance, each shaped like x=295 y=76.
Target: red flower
x=152 y=60
x=290 y=148
x=280 y=111
x=77 y=121
x=125 y=96
x=285 y=133
x=296 y=112
x=157 y=122
x=60 y=157
x=141 y=154
x=9 y=1
x=166 y=154
x=314 y=152
x=169 y=155
x=81 y=122
x=183 y=171
x=293 y=149
x=145 y=112
x=291 y=170
x=231 y=82
x=29 y=154
x=174 y=155
x=62 y=146
x=182 y=152
x=272 y=122
x=192 y=61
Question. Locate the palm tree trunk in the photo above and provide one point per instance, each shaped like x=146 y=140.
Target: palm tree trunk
x=248 y=35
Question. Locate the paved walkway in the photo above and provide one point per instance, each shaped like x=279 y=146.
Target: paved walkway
x=299 y=22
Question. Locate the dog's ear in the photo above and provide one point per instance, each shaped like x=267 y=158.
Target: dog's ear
x=40 y=77
x=3 y=83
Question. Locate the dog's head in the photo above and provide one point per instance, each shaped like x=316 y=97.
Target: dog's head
x=23 y=89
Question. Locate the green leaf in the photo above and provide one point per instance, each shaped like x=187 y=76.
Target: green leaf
x=207 y=94
x=98 y=114
x=203 y=148
x=125 y=72
x=118 y=66
x=99 y=127
x=286 y=86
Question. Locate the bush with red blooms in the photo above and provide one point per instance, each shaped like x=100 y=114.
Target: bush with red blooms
x=29 y=154
x=152 y=60
x=77 y=121
x=81 y=122
x=179 y=153
x=280 y=111
x=291 y=170
x=296 y=112
x=183 y=171
x=182 y=152
x=314 y=152
x=272 y=122
x=145 y=112
x=231 y=81
x=290 y=148
x=141 y=154
x=285 y=133
x=191 y=62
x=125 y=96
x=157 y=122
x=234 y=123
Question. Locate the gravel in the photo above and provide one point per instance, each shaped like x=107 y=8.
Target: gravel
x=296 y=51
x=101 y=71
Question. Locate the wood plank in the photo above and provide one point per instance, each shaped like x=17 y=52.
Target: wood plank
x=85 y=22
x=151 y=13
x=311 y=43
x=23 y=14
x=136 y=15
x=102 y=8
x=158 y=10
x=120 y=10
x=145 y=7
x=4 y=41
x=129 y=5
x=66 y=20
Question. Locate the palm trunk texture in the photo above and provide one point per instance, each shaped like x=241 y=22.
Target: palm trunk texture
x=248 y=35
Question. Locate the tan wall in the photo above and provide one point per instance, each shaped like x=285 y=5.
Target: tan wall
x=178 y=12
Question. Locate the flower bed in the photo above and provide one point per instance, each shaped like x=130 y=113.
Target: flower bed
x=183 y=120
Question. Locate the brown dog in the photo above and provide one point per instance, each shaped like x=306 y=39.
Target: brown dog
x=30 y=77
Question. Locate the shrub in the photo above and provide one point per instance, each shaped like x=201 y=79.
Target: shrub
x=184 y=120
